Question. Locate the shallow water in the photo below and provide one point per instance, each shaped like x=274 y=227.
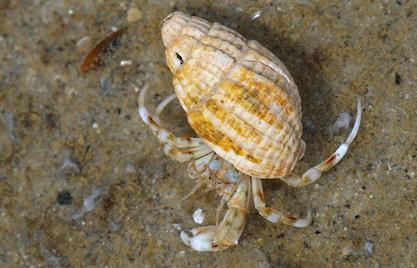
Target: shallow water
x=80 y=173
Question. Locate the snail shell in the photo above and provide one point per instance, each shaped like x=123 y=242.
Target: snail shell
x=238 y=96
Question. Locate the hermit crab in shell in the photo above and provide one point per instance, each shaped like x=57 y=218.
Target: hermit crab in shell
x=245 y=108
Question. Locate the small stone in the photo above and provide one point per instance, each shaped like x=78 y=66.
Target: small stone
x=125 y=63
x=397 y=79
x=177 y=226
x=198 y=216
x=64 y=198
x=369 y=247
x=134 y=14
x=256 y=14
x=347 y=251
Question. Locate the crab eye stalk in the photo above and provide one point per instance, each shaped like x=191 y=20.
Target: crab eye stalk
x=179 y=58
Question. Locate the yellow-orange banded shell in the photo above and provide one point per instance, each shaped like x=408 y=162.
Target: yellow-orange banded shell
x=238 y=96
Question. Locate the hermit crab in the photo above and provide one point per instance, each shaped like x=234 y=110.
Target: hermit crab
x=245 y=108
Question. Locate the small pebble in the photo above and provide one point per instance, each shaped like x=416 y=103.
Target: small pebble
x=177 y=226
x=347 y=251
x=397 y=79
x=256 y=15
x=134 y=14
x=369 y=247
x=125 y=62
x=64 y=198
x=198 y=216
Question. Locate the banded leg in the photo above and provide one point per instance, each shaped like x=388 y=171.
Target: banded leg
x=274 y=215
x=228 y=232
x=178 y=148
x=198 y=168
x=314 y=173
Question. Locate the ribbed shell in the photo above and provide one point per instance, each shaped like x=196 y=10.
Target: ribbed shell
x=238 y=96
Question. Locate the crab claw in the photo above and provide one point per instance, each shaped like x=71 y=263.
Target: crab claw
x=201 y=238
x=228 y=232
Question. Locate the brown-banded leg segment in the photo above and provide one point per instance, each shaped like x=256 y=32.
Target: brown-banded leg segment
x=274 y=215
x=198 y=168
x=178 y=148
x=314 y=173
x=228 y=232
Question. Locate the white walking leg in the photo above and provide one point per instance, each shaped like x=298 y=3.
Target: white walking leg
x=314 y=173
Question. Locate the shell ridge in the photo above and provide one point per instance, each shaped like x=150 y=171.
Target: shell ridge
x=285 y=87
x=284 y=157
x=278 y=92
x=232 y=117
x=230 y=35
x=247 y=116
x=201 y=22
x=265 y=60
x=292 y=93
x=255 y=45
x=226 y=128
x=281 y=117
x=231 y=153
x=222 y=44
x=214 y=50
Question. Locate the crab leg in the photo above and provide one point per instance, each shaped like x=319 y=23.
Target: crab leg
x=228 y=232
x=178 y=148
x=161 y=106
x=314 y=173
x=274 y=215
x=198 y=168
x=186 y=154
